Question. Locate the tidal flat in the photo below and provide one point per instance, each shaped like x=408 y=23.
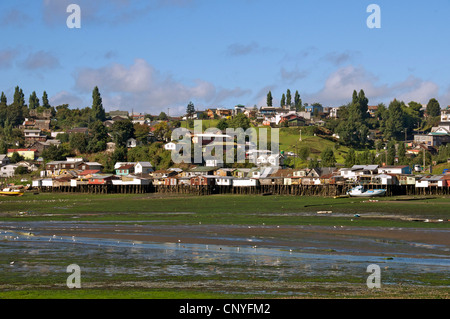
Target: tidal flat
x=222 y=247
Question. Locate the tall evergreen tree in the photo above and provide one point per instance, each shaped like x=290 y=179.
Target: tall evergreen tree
x=45 y=102
x=283 y=100
x=3 y=99
x=297 y=101
x=33 y=101
x=288 y=98
x=190 y=110
x=3 y=110
x=269 y=99
x=98 y=112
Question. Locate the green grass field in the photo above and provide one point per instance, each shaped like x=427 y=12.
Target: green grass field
x=225 y=209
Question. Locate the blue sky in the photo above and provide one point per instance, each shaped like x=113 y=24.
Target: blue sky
x=157 y=55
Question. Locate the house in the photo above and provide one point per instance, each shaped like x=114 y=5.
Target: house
x=201 y=170
x=132 y=142
x=131 y=180
x=171 y=146
x=163 y=173
x=224 y=180
x=26 y=153
x=224 y=113
x=245 y=182
x=171 y=181
x=357 y=170
x=432 y=139
x=34 y=135
x=143 y=168
x=30 y=166
x=100 y=179
x=211 y=113
x=4 y=159
x=408 y=179
x=8 y=170
x=125 y=169
x=385 y=179
x=203 y=180
x=399 y=169
x=110 y=147
x=91 y=166
x=314 y=108
x=372 y=110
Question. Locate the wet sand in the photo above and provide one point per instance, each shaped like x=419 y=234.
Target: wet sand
x=411 y=242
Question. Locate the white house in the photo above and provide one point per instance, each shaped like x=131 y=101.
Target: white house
x=8 y=170
x=401 y=169
x=246 y=182
x=143 y=168
x=132 y=142
x=385 y=179
x=224 y=180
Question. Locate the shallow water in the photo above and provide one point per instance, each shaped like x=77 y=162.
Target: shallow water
x=34 y=252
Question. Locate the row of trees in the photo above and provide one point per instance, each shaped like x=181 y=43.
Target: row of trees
x=286 y=100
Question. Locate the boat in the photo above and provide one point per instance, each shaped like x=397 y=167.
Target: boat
x=359 y=191
x=11 y=192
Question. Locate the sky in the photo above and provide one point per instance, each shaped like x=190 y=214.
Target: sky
x=158 y=55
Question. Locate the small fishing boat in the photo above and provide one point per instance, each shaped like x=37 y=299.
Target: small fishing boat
x=359 y=191
x=11 y=192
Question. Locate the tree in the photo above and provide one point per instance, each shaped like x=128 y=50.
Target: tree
x=222 y=124
x=283 y=100
x=240 y=121
x=16 y=158
x=121 y=131
x=401 y=152
x=190 y=110
x=350 y=159
x=78 y=141
x=141 y=132
x=297 y=101
x=328 y=158
x=3 y=109
x=33 y=102
x=15 y=112
x=288 y=98
x=390 y=157
x=98 y=136
x=162 y=116
x=269 y=99
x=303 y=153
x=433 y=108
x=394 y=123
x=98 y=112
x=45 y=102
x=162 y=132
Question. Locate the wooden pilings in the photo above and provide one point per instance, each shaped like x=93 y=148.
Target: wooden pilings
x=294 y=190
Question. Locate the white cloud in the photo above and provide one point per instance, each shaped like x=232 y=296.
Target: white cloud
x=143 y=88
x=339 y=87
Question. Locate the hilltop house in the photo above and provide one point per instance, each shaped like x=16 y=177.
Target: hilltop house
x=26 y=153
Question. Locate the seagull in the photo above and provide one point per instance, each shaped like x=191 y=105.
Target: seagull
x=11 y=263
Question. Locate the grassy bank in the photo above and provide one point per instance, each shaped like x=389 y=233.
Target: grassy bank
x=228 y=209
